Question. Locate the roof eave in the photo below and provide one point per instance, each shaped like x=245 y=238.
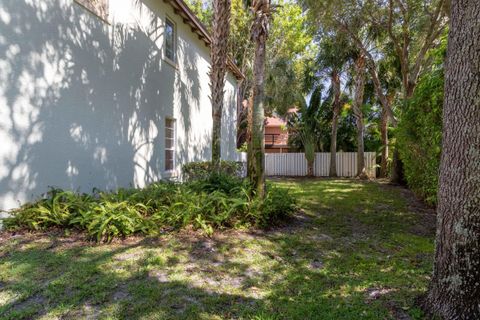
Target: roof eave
x=181 y=8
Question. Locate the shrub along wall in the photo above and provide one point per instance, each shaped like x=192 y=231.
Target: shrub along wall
x=214 y=201
x=419 y=133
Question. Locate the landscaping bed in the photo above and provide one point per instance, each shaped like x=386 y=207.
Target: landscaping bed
x=208 y=202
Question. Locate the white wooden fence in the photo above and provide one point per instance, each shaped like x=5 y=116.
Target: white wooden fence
x=295 y=164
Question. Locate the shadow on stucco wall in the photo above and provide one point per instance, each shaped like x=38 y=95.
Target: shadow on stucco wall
x=82 y=103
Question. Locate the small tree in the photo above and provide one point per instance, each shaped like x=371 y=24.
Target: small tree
x=308 y=140
x=358 y=112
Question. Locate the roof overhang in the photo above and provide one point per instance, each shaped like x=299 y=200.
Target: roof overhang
x=181 y=8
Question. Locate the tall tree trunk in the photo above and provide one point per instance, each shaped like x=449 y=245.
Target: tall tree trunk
x=357 y=111
x=455 y=288
x=218 y=55
x=261 y=9
x=250 y=154
x=397 y=168
x=336 y=112
x=384 y=136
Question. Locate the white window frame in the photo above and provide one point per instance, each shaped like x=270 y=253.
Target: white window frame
x=173 y=62
x=173 y=148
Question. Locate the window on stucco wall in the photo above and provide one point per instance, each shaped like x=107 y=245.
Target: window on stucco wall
x=97 y=7
x=170 y=40
x=169 y=144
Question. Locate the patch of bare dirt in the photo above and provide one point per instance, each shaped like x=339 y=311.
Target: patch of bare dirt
x=396 y=312
x=35 y=301
x=316 y=264
x=129 y=256
x=159 y=275
x=376 y=293
x=87 y=311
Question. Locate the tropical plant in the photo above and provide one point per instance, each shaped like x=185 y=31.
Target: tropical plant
x=308 y=141
x=202 y=170
x=419 y=133
x=208 y=203
x=334 y=54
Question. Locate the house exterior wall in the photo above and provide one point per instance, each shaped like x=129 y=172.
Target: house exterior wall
x=281 y=139
x=83 y=102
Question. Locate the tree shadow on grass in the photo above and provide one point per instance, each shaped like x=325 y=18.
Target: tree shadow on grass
x=308 y=271
x=82 y=282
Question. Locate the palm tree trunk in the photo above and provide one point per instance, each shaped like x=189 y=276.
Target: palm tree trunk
x=261 y=9
x=310 y=168
x=455 y=288
x=357 y=110
x=336 y=112
x=219 y=55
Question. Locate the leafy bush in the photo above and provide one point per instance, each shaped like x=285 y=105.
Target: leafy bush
x=278 y=205
x=215 y=202
x=225 y=183
x=419 y=132
x=202 y=170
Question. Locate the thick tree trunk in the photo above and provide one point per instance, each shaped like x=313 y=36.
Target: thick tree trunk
x=455 y=289
x=336 y=112
x=219 y=55
x=384 y=136
x=261 y=9
x=357 y=111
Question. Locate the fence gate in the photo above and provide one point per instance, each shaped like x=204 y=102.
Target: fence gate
x=295 y=164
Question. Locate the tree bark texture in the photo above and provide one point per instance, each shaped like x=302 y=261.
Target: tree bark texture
x=250 y=154
x=219 y=56
x=357 y=111
x=310 y=168
x=384 y=136
x=261 y=10
x=455 y=288
x=336 y=112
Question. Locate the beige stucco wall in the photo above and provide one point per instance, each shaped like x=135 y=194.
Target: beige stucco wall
x=83 y=102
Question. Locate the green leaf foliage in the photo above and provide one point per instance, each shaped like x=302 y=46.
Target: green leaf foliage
x=419 y=134
x=211 y=202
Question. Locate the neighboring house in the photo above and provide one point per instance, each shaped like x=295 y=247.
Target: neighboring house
x=276 y=132
x=103 y=94
x=276 y=135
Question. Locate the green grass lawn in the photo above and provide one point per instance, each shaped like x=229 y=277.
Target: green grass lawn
x=359 y=250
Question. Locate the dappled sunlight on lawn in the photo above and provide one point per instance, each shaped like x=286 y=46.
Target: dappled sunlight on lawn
x=357 y=256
